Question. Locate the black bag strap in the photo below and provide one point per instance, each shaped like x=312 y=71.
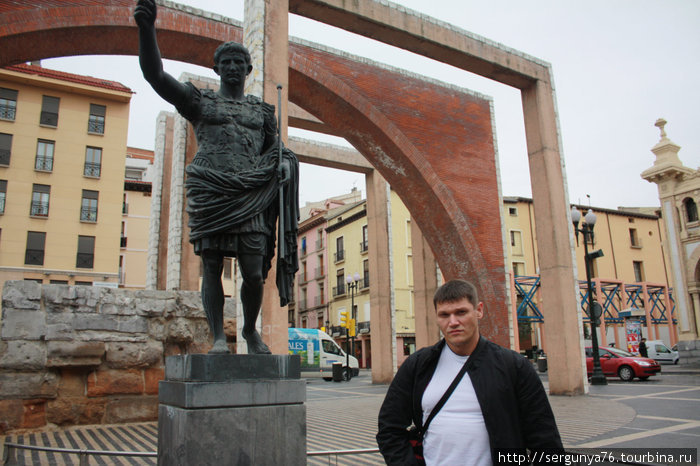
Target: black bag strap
x=444 y=398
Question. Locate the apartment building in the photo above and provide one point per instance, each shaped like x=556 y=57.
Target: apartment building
x=62 y=164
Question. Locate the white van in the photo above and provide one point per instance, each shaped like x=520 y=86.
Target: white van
x=657 y=350
x=318 y=352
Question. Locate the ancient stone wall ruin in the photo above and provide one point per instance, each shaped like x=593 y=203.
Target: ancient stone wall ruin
x=90 y=355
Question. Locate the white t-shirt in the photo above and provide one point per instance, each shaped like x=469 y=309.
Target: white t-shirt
x=457 y=434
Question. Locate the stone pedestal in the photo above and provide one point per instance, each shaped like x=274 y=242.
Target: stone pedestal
x=232 y=409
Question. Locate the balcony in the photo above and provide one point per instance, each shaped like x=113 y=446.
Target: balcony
x=125 y=208
x=364 y=282
x=319 y=300
x=363 y=327
x=44 y=164
x=96 y=126
x=34 y=257
x=339 y=256
x=364 y=245
x=302 y=305
x=88 y=214
x=39 y=209
x=48 y=118
x=320 y=272
x=303 y=277
x=92 y=169
x=339 y=290
x=319 y=244
x=85 y=260
x=8 y=112
x=122 y=242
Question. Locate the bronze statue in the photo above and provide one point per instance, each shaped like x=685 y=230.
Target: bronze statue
x=240 y=181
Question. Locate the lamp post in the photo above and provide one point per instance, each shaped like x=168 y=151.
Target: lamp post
x=597 y=377
x=353 y=282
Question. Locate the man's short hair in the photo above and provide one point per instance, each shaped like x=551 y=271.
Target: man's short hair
x=231 y=47
x=456 y=290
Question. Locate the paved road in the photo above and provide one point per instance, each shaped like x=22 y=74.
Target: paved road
x=663 y=411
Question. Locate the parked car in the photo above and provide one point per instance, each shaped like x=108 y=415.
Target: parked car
x=658 y=351
x=627 y=366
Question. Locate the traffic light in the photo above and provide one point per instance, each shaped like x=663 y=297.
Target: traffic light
x=351 y=328
x=344 y=319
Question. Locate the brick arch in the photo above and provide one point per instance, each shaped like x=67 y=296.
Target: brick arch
x=433 y=143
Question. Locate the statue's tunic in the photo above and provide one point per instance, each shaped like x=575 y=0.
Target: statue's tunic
x=232 y=184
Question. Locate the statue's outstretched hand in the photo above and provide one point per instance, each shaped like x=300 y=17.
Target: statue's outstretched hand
x=145 y=13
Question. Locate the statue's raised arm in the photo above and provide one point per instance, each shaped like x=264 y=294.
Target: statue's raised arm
x=150 y=59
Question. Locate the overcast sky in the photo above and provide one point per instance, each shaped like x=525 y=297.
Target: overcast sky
x=618 y=66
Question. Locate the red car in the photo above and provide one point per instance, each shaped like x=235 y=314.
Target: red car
x=626 y=365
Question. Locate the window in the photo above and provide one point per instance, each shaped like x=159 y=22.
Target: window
x=88 y=209
x=304 y=277
x=3 y=195
x=49 y=111
x=122 y=241
x=8 y=104
x=365 y=239
x=513 y=211
x=339 y=283
x=96 y=121
x=319 y=241
x=34 y=254
x=44 y=155
x=40 y=200
x=303 y=246
x=339 y=249
x=638 y=271
x=634 y=239
x=518 y=269
x=5 y=148
x=321 y=298
x=320 y=272
x=86 y=252
x=365 y=274
x=93 y=162
x=516 y=242
x=691 y=210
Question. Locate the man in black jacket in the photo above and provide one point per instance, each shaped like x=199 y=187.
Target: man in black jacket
x=500 y=409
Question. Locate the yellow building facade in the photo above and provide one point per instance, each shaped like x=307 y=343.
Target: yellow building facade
x=62 y=160
x=349 y=246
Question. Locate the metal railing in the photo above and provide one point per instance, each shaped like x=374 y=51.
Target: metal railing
x=92 y=169
x=39 y=209
x=88 y=214
x=339 y=256
x=96 y=126
x=43 y=163
x=8 y=112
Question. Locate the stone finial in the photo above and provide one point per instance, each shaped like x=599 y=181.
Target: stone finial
x=661 y=123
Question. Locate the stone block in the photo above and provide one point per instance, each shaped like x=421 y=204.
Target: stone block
x=72 y=382
x=121 y=355
x=23 y=324
x=75 y=353
x=27 y=385
x=198 y=395
x=193 y=436
x=180 y=330
x=114 y=382
x=22 y=355
x=73 y=410
x=152 y=376
x=34 y=414
x=130 y=324
x=11 y=412
x=227 y=367
x=21 y=295
x=132 y=409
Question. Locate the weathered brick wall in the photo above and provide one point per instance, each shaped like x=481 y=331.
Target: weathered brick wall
x=90 y=355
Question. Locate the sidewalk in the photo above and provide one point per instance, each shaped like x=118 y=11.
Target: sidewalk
x=663 y=411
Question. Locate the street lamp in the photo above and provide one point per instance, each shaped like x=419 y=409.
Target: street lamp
x=597 y=378
x=353 y=282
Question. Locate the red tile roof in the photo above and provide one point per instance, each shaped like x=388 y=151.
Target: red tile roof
x=69 y=77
